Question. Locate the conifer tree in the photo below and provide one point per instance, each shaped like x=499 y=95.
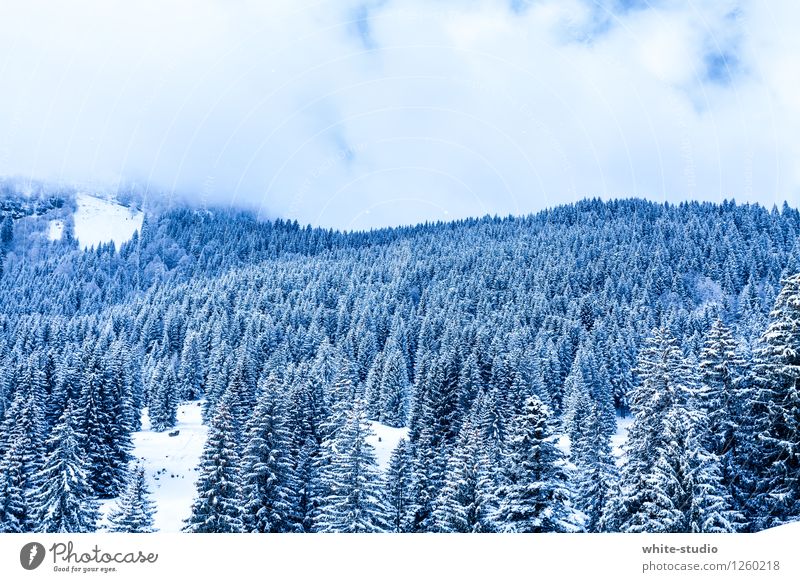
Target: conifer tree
x=216 y=508
x=776 y=406
x=537 y=498
x=394 y=389
x=63 y=496
x=355 y=503
x=398 y=488
x=134 y=509
x=467 y=501
x=596 y=473
x=269 y=480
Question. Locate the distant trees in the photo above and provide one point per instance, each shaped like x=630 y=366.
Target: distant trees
x=682 y=316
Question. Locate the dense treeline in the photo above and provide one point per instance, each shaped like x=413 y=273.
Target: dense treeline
x=489 y=339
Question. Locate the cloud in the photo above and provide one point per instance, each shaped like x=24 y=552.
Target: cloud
x=361 y=113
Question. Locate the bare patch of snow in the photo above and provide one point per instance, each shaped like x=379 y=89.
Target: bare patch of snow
x=619 y=438
x=55 y=230
x=100 y=221
x=385 y=442
x=170 y=464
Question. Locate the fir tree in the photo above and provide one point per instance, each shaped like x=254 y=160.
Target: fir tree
x=134 y=509
x=63 y=496
x=537 y=497
x=216 y=509
x=355 y=503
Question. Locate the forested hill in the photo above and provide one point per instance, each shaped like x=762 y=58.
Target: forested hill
x=483 y=337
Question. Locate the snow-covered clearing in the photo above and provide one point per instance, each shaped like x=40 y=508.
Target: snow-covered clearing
x=100 y=221
x=385 y=441
x=620 y=437
x=55 y=230
x=170 y=464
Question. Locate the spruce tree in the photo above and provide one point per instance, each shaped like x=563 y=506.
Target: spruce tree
x=467 y=501
x=596 y=472
x=537 y=498
x=394 y=389
x=269 y=480
x=216 y=509
x=398 y=488
x=15 y=509
x=63 y=497
x=134 y=509
x=355 y=503
x=776 y=406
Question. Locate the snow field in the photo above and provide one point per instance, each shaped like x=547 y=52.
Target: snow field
x=100 y=221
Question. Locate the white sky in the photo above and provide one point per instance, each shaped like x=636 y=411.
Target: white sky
x=356 y=114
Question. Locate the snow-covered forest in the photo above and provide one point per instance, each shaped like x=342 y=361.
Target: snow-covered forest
x=507 y=350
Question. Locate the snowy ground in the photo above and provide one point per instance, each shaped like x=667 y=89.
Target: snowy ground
x=621 y=436
x=55 y=229
x=101 y=221
x=385 y=441
x=170 y=464
x=617 y=439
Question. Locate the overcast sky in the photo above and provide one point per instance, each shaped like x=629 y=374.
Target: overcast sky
x=356 y=114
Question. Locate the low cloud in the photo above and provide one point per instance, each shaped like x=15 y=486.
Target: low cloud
x=356 y=114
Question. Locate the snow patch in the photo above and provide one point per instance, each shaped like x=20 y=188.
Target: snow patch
x=170 y=464
x=385 y=442
x=55 y=230
x=619 y=438
x=100 y=221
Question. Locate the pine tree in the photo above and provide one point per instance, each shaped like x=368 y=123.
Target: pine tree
x=467 y=501
x=398 y=488
x=394 y=389
x=537 y=497
x=134 y=509
x=596 y=473
x=64 y=498
x=355 y=503
x=776 y=406
x=269 y=482
x=216 y=509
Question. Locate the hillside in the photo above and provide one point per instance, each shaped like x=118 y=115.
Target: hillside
x=483 y=341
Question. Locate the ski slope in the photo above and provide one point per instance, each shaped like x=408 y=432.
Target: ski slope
x=100 y=221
